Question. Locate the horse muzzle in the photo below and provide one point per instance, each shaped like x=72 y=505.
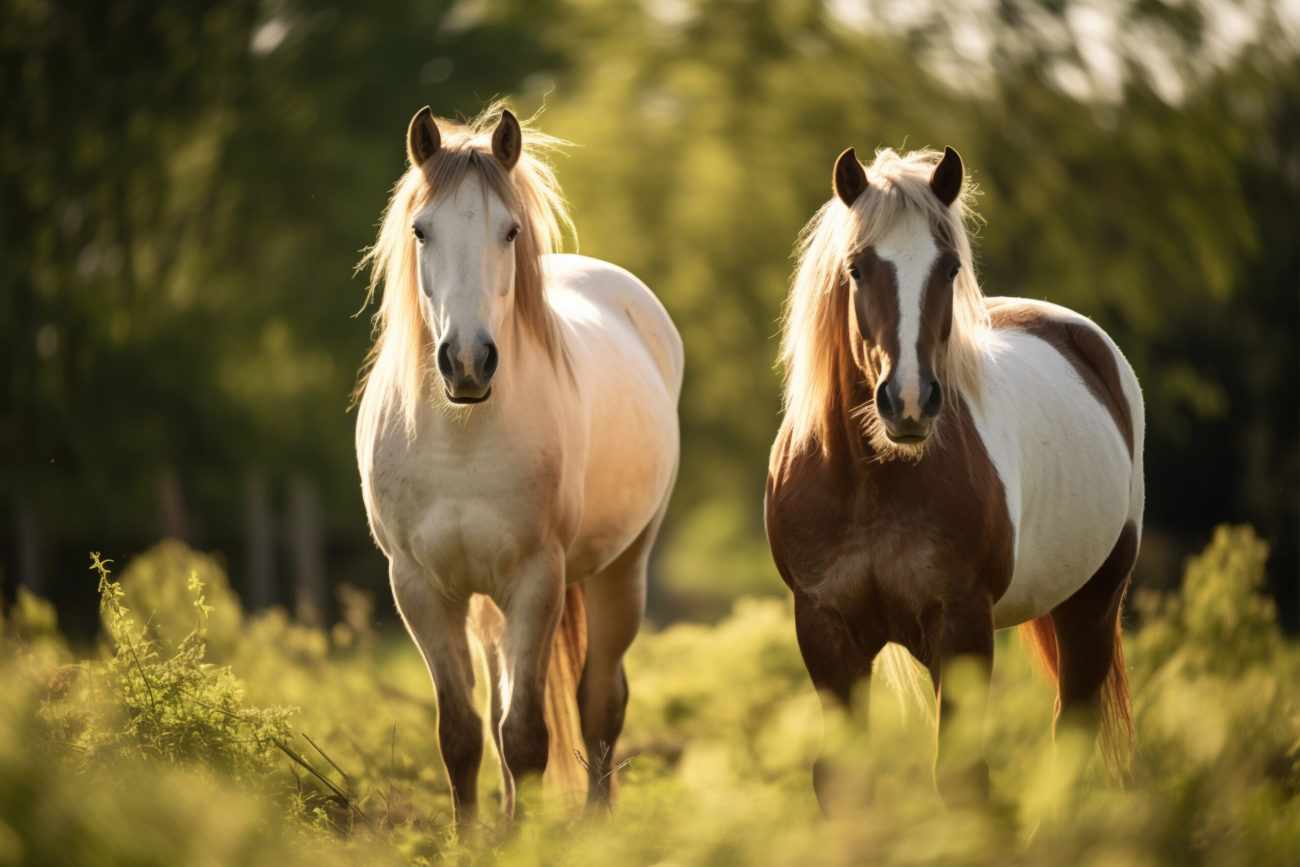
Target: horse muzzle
x=908 y=432
x=465 y=399
x=467 y=371
x=904 y=427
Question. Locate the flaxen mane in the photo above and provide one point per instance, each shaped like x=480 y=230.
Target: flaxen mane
x=403 y=352
x=818 y=331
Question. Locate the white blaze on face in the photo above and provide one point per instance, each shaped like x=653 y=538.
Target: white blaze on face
x=465 y=261
x=910 y=247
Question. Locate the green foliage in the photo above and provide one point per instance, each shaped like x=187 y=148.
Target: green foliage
x=33 y=618
x=201 y=603
x=1220 y=619
x=133 y=764
x=158 y=696
x=178 y=246
x=186 y=191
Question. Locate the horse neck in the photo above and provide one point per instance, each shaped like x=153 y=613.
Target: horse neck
x=522 y=356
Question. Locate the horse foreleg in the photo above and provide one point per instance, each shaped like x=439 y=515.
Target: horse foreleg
x=839 y=667
x=490 y=623
x=532 y=607
x=961 y=667
x=438 y=626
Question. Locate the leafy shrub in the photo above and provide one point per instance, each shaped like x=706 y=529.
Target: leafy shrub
x=160 y=583
x=156 y=695
x=151 y=754
x=1219 y=621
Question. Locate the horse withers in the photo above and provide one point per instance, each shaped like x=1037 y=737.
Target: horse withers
x=517 y=441
x=948 y=464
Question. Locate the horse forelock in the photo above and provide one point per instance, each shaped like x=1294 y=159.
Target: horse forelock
x=825 y=379
x=403 y=353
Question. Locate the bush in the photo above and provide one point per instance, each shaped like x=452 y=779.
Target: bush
x=158 y=697
x=151 y=753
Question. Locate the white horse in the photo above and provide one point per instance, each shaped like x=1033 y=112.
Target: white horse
x=517 y=435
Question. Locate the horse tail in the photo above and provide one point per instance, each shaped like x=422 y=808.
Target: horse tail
x=903 y=675
x=564 y=771
x=1118 y=736
x=1039 y=636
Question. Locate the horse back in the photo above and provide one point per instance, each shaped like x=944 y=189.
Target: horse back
x=1095 y=358
x=590 y=292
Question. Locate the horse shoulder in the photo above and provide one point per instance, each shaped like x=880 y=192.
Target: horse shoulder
x=807 y=505
x=376 y=416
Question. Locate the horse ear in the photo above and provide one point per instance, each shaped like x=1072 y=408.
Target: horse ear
x=946 y=180
x=422 y=137
x=849 y=179
x=507 y=140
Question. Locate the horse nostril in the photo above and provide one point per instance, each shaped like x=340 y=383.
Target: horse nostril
x=934 y=402
x=490 y=363
x=444 y=360
x=884 y=405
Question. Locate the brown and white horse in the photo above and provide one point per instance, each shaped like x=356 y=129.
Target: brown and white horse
x=948 y=464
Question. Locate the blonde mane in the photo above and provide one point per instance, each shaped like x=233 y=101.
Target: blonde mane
x=818 y=332
x=403 y=351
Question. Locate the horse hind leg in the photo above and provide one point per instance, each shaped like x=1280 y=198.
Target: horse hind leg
x=1092 y=687
x=615 y=599
x=437 y=625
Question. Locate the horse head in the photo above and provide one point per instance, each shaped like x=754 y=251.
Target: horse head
x=901 y=289
x=465 y=243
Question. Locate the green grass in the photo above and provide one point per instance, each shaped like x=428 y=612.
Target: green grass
x=194 y=735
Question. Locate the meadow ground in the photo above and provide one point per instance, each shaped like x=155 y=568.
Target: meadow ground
x=195 y=735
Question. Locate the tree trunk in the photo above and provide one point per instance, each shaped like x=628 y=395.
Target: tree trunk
x=307 y=551
x=27 y=529
x=259 y=543
x=171 y=506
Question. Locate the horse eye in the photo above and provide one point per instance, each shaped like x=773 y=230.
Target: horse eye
x=952 y=275
x=419 y=233
x=512 y=234
x=854 y=272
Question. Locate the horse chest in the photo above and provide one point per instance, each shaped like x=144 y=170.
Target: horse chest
x=876 y=567
x=889 y=549
x=470 y=517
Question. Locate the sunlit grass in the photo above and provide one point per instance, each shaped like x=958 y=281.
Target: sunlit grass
x=195 y=735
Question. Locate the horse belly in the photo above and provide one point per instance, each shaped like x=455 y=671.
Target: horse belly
x=633 y=442
x=1067 y=474
x=630 y=469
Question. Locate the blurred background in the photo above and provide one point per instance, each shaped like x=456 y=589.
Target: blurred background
x=187 y=188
